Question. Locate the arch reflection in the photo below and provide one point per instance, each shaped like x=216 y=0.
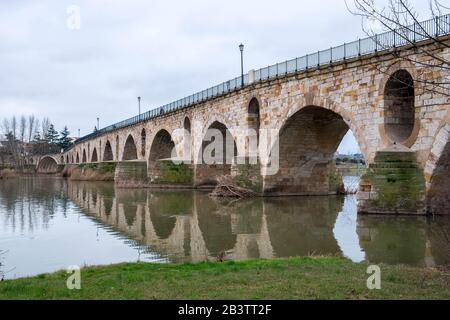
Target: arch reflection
x=191 y=226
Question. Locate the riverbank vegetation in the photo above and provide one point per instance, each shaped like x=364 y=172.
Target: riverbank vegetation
x=91 y=172
x=293 y=278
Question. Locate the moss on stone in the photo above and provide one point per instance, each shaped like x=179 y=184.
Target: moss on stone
x=248 y=176
x=397 y=182
x=170 y=172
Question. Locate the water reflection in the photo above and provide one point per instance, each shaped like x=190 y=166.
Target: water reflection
x=190 y=226
x=48 y=224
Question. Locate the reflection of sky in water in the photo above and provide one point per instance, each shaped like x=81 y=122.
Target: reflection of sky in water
x=70 y=238
x=345 y=227
x=345 y=231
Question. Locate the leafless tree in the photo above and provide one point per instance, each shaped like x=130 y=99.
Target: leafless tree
x=401 y=18
x=31 y=127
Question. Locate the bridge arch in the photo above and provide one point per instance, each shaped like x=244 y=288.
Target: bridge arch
x=187 y=140
x=143 y=141
x=302 y=157
x=399 y=107
x=47 y=164
x=108 y=153
x=216 y=154
x=162 y=147
x=94 y=157
x=84 y=158
x=130 y=150
x=253 y=122
x=78 y=157
x=117 y=147
x=437 y=173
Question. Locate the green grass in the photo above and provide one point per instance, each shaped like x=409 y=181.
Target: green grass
x=294 y=278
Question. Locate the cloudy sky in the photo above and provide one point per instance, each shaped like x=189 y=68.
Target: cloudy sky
x=160 y=50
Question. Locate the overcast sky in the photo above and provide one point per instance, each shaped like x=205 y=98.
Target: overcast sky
x=160 y=50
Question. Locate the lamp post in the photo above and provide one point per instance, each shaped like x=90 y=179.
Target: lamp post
x=241 y=48
x=139 y=106
x=98 y=123
x=78 y=133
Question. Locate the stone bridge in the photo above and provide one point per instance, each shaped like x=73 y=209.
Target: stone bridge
x=299 y=116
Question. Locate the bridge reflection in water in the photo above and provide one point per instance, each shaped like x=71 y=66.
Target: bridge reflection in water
x=190 y=226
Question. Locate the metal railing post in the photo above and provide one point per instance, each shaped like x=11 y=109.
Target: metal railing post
x=376 y=43
x=437 y=26
x=345 y=51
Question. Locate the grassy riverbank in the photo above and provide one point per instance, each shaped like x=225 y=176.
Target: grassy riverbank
x=295 y=278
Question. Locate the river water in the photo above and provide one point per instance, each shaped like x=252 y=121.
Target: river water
x=48 y=224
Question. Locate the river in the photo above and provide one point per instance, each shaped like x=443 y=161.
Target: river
x=48 y=224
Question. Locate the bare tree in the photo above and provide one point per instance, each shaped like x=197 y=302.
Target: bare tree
x=31 y=127
x=45 y=125
x=401 y=18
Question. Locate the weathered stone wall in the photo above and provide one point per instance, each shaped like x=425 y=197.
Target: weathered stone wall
x=131 y=174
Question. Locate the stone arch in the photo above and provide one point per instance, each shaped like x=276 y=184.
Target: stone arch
x=84 y=159
x=143 y=141
x=253 y=122
x=161 y=148
x=130 y=150
x=399 y=107
x=302 y=158
x=117 y=148
x=47 y=165
x=187 y=140
x=437 y=174
x=107 y=153
x=78 y=157
x=94 y=157
x=62 y=159
x=215 y=158
x=67 y=158
x=187 y=124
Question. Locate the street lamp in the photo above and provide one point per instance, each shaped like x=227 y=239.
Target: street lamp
x=241 y=48
x=78 y=133
x=98 y=123
x=139 y=106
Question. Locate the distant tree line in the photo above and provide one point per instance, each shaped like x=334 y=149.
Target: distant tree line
x=23 y=137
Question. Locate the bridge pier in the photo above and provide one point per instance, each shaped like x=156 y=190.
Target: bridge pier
x=246 y=172
x=207 y=174
x=131 y=174
x=393 y=184
x=170 y=172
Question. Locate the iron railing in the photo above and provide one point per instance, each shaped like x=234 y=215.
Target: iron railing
x=425 y=30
